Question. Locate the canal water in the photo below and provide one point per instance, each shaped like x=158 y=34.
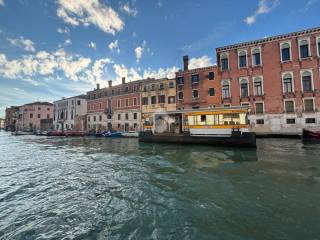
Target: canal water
x=97 y=188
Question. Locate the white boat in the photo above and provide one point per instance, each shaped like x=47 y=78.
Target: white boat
x=19 y=133
x=130 y=134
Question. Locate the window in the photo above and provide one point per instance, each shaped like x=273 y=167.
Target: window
x=119 y=91
x=310 y=120
x=318 y=46
x=88 y=118
x=119 y=116
x=39 y=108
x=152 y=87
x=247 y=105
x=260 y=121
x=135 y=116
x=257 y=84
x=291 y=120
x=195 y=93
x=48 y=109
x=171 y=99
x=180 y=95
x=225 y=89
x=94 y=118
x=127 y=102
x=224 y=62
x=285 y=52
x=135 y=101
x=100 y=118
x=211 y=75
x=39 y=115
x=126 y=89
x=162 y=99
x=211 y=92
x=195 y=78
x=287 y=83
x=31 y=115
x=145 y=101
x=308 y=105
x=242 y=55
x=153 y=99
x=127 y=116
x=304 y=49
x=71 y=114
x=259 y=108
x=289 y=106
x=171 y=84
x=180 y=80
x=112 y=92
x=119 y=103
x=161 y=86
x=78 y=102
x=306 y=81
x=244 y=88
x=256 y=57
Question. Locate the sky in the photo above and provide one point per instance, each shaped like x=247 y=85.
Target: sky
x=51 y=49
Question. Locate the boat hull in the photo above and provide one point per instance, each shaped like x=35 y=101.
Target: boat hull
x=309 y=136
x=239 y=140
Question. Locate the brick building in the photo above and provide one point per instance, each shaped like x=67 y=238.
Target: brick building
x=197 y=88
x=11 y=118
x=30 y=116
x=157 y=95
x=276 y=77
x=126 y=106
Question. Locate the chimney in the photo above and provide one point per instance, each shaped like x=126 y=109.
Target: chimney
x=98 y=86
x=110 y=83
x=185 y=63
x=123 y=80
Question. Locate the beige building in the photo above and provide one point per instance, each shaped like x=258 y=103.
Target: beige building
x=30 y=116
x=157 y=96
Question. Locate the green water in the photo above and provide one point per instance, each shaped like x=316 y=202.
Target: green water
x=97 y=188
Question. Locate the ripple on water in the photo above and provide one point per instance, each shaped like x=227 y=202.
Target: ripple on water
x=97 y=188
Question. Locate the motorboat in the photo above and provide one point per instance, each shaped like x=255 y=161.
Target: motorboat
x=130 y=134
x=111 y=134
x=310 y=136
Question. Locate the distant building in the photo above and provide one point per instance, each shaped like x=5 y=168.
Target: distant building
x=11 y=118
x=126 y=107
x=67 y=110
x=30 y=116
x=1 y=123
x=157 y=95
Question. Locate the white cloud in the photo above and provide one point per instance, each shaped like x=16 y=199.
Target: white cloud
x=127 y=9
x=264 y=7
x=21 y=42
x=200 y=62
x=53 y=65
x=2 y=3
x=92 y=45
x=63 y=30
x=306 y=7
x=159 y=4
x=86 y=12
x=138 y=51
x=113 y=46
x=67 y=42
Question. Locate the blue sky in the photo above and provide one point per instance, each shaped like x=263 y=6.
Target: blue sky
x=55 y=48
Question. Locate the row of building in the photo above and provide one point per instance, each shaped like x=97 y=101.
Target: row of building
x=277 y=78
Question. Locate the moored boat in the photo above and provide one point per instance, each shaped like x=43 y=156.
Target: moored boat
x=220 y=127
x=21 y=133
x=310 y=136
x=130 y=134
x=55 y=133
x=74 y=133
x=111 y=134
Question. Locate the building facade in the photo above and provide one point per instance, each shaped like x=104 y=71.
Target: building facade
x=67 y=110
x=197 y=88
x=30 y=116
x=276 y=77
x=157 y=96
x=11 y=116
x=126 y=112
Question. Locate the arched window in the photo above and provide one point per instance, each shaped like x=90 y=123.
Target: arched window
x=224 y=61
x=225 y=89
x=304 y=49
x=306 y=81
x=318 y=46
x=285 y=52
x=242 y=59
x=258 y=88
x=244 y=88
x=287 y=83
x=256 y=57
